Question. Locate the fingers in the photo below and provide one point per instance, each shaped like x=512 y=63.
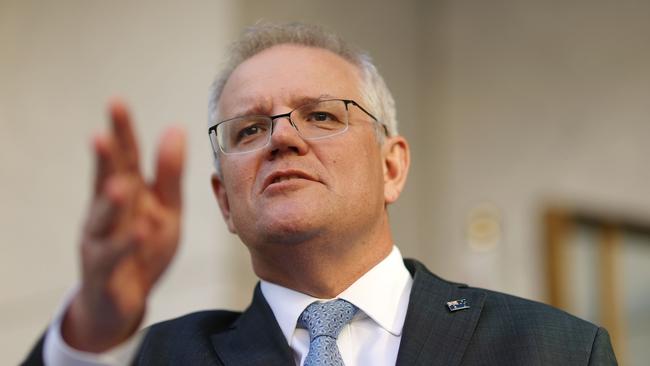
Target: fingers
x=169 y=167
x=119 y=188
x=103 y=166
x=109 y=232
x=116 y=151
x=111 y=206
x=102 y=217
x=125 y=147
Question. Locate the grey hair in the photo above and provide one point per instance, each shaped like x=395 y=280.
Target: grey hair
x=255 y=39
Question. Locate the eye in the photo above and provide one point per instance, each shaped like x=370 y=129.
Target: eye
x=250 y=132
x=321 y=116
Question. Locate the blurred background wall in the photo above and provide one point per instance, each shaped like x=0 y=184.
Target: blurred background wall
x=509 y=106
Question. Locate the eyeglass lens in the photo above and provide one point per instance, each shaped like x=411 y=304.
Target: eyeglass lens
x=313 y=120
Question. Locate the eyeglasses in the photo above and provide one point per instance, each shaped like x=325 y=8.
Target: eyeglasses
x=313 y=121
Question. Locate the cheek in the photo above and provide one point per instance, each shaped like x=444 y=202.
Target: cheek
x=359 y=170
x=239 y=183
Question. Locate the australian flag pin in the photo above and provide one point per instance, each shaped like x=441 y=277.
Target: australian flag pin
x=456 y=305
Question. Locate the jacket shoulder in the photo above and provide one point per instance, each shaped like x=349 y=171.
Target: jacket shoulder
x=184 y=339
x=515 y=311
x=514 y=330
x=529 y=309
x=207 y=321
x=550 y=335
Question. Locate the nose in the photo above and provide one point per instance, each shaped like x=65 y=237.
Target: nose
x=277 y=125
x=286 y=138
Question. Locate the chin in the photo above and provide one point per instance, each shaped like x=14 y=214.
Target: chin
x=290 y=234
x=287 y=230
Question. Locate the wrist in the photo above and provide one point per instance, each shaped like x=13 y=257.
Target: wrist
x=97 y=328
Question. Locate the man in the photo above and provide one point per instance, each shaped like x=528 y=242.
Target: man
x=308 y=158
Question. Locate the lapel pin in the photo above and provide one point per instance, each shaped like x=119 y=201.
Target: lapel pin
x=456 y=305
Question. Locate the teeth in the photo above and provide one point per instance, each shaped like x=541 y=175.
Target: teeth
x=283 y=178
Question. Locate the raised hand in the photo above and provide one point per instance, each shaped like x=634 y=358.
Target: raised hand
x=129 y=238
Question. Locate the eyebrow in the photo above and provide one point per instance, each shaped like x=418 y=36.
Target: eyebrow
x=252 y=107
x=264 y=106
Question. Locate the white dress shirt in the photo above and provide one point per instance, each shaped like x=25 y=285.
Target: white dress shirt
x=371 y=338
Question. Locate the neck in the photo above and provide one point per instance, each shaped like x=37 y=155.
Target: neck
x=322 y=268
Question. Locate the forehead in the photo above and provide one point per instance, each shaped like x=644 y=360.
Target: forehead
x=285 y=75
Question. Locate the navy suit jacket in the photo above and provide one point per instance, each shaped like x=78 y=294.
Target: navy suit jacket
x=497 y=329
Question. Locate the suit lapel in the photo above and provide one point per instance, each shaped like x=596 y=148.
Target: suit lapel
x=254 y=339
x=433 y=335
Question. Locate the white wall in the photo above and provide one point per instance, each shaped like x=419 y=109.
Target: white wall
x=536 y=101
x=59 y=63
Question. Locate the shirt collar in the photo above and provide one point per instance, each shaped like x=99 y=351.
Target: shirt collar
x=382 y=294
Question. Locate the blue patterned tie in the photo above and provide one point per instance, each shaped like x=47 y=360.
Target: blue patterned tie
x=324 y=320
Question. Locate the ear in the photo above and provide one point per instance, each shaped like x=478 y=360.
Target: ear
x=222 y=198
x=396 y=160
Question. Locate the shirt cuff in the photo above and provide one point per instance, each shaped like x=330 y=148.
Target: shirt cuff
x=57 y=353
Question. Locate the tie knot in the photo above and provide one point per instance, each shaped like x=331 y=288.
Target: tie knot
x=326 y=318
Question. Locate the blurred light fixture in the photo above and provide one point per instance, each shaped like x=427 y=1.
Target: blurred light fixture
x=484 y=229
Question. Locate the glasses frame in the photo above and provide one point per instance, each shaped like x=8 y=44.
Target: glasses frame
x=288 y=117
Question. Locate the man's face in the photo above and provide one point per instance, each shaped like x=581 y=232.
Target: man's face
x=295 y=189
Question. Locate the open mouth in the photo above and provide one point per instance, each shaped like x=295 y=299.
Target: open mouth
x=285 y=178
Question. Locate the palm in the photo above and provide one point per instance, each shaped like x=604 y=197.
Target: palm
x=137 y=270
